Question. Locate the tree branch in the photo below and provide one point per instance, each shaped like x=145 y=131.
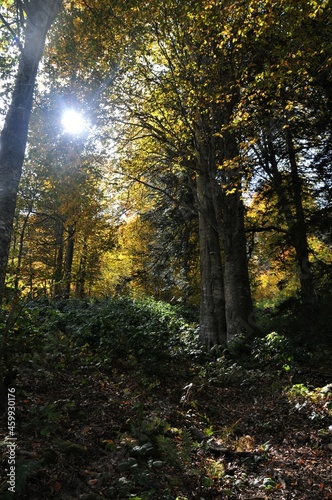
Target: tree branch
x=266 y=228
x=11 y=31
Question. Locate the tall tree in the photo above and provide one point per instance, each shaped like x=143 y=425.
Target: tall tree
x=35 y=19
x=283 y=115
x=182 y=90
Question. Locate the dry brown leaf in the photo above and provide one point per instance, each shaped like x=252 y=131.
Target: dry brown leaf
x=92 y=482
x=57 y=486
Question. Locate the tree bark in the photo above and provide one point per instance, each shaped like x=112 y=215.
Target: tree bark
x=69 y=260
x=21 y=250
x=40 y=16
x=212 y=298
x=58 y=267
x=212 y=302
x=226 y=303
x=239 y=308
x=81 y=275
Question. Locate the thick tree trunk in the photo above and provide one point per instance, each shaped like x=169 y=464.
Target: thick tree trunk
x=226 y=304
x=212 y=303
x=239 y=307
x=40 y=15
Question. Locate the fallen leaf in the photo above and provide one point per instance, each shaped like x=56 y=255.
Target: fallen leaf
x=56 y=486
x=92 y=482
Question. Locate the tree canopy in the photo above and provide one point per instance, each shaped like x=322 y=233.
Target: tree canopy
x=165 y=249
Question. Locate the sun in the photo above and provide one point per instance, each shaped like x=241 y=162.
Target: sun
x=73 y=122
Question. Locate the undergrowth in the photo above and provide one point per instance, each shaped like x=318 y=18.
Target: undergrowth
x=146 y=334
x=138 y=363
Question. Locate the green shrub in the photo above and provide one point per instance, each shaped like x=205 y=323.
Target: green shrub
x=147 y=332
x=273 y=351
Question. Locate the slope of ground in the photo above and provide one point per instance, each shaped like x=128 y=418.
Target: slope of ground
x=82 y=433
x=210 y=429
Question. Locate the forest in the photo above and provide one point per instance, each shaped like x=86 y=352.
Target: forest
x=165 y=249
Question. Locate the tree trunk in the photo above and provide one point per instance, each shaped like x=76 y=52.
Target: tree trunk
x=81 y=275
x=239 y=307
x=226 y=304
x=21 y=247
x=40 y=16
x=212 y=303
x=69 y=260
x=299 y=230
x=58 y=270
x=290 y=205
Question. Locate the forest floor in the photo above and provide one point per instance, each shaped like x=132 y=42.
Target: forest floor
x=84 y=433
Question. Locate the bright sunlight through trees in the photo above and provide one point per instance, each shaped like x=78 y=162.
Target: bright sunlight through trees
x=73 y=122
